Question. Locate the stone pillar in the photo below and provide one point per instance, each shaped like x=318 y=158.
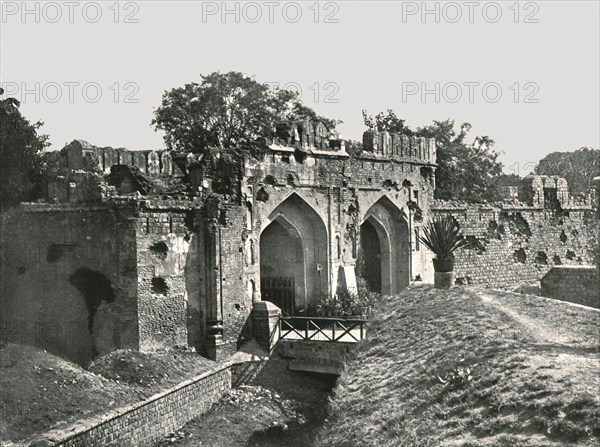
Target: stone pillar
x=370 y=141
x=153 y=163
x=214 y=309
x=265 y=324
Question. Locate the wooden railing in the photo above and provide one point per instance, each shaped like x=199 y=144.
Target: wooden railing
x=322 y=329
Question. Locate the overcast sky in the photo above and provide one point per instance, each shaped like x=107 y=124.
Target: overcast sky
x=533 y=85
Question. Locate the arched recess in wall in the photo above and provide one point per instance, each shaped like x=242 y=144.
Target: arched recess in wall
x=385 y=248
x=293 y=256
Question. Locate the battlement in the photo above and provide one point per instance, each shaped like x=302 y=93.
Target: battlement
x=399 y=147
x=534 y=194
x=545 y=191
x=306 y=136
x=81 y=155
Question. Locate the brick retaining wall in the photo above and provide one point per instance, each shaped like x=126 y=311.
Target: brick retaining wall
x=148 y=421
x=576 y=284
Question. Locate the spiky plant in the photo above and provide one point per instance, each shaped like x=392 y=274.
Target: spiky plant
x=443 y=237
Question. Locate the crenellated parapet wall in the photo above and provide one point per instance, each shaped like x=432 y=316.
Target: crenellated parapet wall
x=84 y=173
x=81 y=155
x=400 y=147
x=511 y=244
x=306 y=135
x=545 y=191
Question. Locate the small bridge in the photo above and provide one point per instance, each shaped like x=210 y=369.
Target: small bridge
x=318 y=344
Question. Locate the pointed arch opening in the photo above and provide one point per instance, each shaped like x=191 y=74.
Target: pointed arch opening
x=293 y=256
x=384 y=255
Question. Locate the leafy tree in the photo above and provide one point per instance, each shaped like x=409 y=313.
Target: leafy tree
x=508 y=180
x=578 y=167
x=466 y=172
x=20 y=155
x=227 y=110
x=388 y=122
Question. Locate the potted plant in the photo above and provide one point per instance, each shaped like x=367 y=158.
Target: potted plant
x=443 y=237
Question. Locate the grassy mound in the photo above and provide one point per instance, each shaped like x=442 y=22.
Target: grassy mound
x=156 y=370
x=468 y=367
x=40 y=391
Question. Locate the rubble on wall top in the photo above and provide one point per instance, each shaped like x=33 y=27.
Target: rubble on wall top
x=307 y=136
x=400 y=147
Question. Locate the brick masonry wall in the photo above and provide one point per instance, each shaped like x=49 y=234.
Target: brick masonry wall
x=341 y=190
x=514 y=245
x=146 y=422
x=237 y=302
x=169 y=305
x=580 y=285
x=68 y=279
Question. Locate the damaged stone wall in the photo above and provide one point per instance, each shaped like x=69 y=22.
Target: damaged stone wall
x=69 y=279
x=342 y=191
x=190 y=269
x=170 y=309
x=233 y=298
x=512 y=244
x=76 y=174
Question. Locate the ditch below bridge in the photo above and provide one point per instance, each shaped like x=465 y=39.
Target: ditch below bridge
x=318 y=344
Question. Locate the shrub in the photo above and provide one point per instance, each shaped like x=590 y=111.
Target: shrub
x=443 y=236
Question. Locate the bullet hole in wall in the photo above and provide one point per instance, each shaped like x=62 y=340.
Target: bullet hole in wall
x=159 y=286
x=475 y=244
x=520 y=256
x=160 y=249
x=541 y=258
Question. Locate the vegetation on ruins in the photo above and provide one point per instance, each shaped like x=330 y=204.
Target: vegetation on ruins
x=228 y=110
x=20 y=151
x=388 y=121
x=466 y=172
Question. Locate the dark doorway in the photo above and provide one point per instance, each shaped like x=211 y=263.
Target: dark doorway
x=293 y=256
x=281 y=266
x=370 y=257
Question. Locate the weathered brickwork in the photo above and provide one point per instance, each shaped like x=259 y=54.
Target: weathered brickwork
x=576 y=284
x=190 y=242
x=69 y=279
x=513 y=244
x=168 y=289
x=145 y=423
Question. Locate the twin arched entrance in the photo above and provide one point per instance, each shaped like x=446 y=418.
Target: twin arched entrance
x=295 y=259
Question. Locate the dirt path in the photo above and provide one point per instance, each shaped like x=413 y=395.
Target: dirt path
x=535 y=327
x=543 y=319
x=564 y=344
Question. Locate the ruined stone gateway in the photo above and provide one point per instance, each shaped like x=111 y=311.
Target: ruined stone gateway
x=148 y=250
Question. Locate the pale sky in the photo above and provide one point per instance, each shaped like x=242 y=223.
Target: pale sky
x=82 y=70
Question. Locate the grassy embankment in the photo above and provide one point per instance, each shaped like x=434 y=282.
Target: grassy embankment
x=471 y=368
x=40 y=391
